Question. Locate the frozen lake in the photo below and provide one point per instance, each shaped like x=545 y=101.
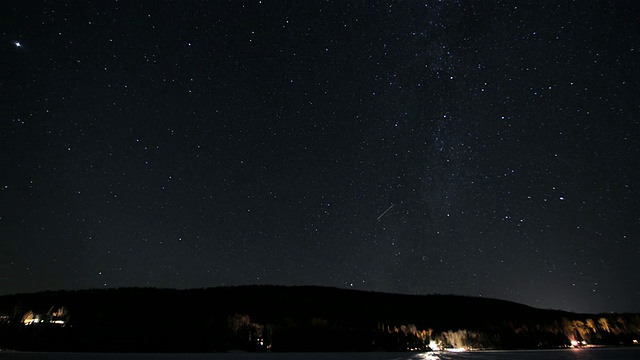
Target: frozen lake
x=565 y=354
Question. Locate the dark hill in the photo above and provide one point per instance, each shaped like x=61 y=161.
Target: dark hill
x=277 y=318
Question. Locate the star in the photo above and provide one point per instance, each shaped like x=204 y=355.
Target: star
x=242 y=154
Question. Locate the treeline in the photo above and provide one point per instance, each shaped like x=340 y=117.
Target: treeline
x=274 y=318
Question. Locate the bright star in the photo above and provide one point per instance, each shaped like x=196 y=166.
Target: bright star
x=17 y=44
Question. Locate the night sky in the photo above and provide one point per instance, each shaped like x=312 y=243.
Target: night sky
x=483 y=148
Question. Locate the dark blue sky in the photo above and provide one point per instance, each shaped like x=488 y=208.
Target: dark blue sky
x=189 y=144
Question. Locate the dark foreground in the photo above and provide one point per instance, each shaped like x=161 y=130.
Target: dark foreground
x=291 y=319
x=565 y=354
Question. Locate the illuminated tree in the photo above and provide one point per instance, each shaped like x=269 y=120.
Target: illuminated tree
x=603 y=324
x=28 y=318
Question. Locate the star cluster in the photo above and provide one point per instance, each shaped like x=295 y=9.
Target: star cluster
x=484 y=149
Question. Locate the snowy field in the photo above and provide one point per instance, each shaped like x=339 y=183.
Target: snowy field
x=575 y=354
x=569 y=354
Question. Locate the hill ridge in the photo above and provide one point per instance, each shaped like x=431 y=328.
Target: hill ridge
x=289 y=318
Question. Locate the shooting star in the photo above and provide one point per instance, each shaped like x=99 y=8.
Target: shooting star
x=389 y=208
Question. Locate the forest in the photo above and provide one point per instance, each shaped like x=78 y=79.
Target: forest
x=297 y=318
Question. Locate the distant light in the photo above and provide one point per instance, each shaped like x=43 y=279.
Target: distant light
x=434 y=346
x=17 y=44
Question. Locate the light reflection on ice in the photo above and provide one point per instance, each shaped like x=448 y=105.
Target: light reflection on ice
x=564 y=354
